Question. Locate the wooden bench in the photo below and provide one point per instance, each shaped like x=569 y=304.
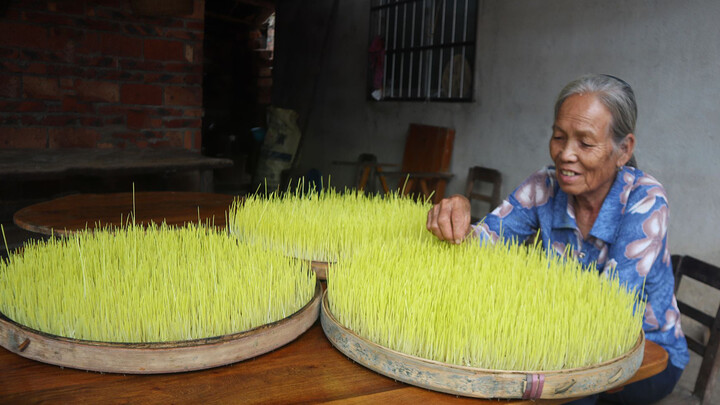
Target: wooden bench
x=43 y=164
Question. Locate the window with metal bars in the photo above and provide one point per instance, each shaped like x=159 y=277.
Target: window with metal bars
x=422 y=50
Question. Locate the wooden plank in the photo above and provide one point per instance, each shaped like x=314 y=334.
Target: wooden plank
x=31 y=164
x=76 y=212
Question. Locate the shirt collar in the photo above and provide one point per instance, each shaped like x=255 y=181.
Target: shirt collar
x=608 y=219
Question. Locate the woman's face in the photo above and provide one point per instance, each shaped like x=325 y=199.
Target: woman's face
x=581 y=146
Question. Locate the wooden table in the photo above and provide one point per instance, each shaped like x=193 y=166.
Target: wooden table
x=308 y=370
x=75 y=212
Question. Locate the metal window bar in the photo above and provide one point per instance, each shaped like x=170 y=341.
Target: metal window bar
x=429 y=48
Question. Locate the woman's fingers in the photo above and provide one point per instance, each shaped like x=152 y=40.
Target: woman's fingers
x=450 y=219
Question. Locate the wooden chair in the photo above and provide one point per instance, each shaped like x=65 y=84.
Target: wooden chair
x=426 y=161
x=707 y=385
x=478 y=175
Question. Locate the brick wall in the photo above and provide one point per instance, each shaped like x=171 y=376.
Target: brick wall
x=95 y=74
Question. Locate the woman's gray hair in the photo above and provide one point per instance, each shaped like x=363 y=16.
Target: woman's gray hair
x=615 y=94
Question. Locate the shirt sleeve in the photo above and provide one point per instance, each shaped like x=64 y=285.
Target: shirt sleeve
x=517 y=216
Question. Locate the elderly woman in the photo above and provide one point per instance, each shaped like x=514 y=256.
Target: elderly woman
x=592 y=199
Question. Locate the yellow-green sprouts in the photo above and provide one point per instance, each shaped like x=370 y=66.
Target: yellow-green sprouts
x=153 y=284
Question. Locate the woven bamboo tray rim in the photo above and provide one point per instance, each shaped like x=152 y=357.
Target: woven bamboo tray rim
x=157 y=357
x=320 y=268
x=628 y=363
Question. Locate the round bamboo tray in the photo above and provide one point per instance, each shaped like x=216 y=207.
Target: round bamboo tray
x=156 y=358
x=477 y=382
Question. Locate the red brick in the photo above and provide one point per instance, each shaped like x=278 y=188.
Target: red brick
x=61 y=36
x=41 y=87
x=98 y=61
x=92 y=122
x=197 y=26
x=192 y=79
x=113 y=121
x=143 y=30
x=61 y=120
x=98 y=91
x=188 y=140
x=175 y=139
x=24 y=66
x=31 y=106
x=65 y=71
x=22 y=35
x=161 y=49
x=67 y=83
x=6 y=119
x=198 y=140
x=30 y=138
x=146 y=94
x=10 y=86
x=160 y=144
x=137 y=119
x=183 y=123
x=183 y=96
x=30 y=120
x=193 y=112
x=9 y=53
x=102 y=25
x=73 y=137
x=130 y=64
x=121 y=45
x=105 y=145
x=71 y=104
x=182 y=34
x=92 y=43
x=9 y=105
x=48 y=18
x=160 y=78
x=132 y=136
x=67 y=7
x=195 y=68
x=112 y=109
x=165 y=112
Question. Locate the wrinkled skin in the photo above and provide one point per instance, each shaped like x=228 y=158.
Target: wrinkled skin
x=449 y=219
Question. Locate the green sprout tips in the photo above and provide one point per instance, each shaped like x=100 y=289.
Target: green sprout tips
x=327 y=225
x=153 y=284
x=504 y=306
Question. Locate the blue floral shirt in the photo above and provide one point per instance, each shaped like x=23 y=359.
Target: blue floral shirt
x=630 y=234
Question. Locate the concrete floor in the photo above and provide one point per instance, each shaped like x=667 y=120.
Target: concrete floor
x=682 y=394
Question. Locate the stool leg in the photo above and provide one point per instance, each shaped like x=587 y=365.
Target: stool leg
x=364 y=178
x=383 y=181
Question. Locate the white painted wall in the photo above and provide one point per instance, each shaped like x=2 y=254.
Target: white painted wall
x=668 y=50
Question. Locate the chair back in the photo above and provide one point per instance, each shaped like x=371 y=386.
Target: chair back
x=426 y=160
x=707 y=385
x=478 y=175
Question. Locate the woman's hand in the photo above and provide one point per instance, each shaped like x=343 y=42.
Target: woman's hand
x=450 y=219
